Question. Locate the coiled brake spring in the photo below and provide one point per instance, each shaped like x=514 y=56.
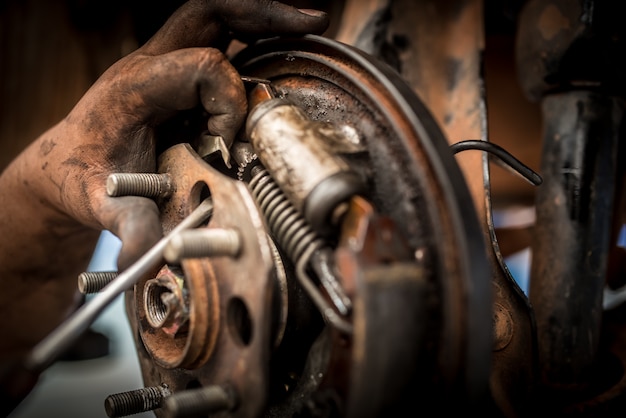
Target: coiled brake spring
x=295 y=237
x=287 y=225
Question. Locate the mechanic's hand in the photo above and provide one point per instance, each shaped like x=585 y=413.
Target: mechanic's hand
x=112 y=128
x=55 y=196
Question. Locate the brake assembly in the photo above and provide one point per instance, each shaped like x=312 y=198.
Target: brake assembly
x=342 y=269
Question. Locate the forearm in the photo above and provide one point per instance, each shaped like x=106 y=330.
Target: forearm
x=43 y=251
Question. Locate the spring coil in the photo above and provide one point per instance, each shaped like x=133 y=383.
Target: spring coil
x=295 y=237
x=289 y=228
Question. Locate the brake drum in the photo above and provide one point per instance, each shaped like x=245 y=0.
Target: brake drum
x=409 y=254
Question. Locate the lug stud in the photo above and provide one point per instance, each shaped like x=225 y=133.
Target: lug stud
x=202 y=242
x=136 y=401
x=139 y=184
x=94 y=281
x=198 y=402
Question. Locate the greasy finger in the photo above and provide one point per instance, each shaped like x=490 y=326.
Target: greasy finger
x=270 y=18
x=201 y=23
x=184 y=79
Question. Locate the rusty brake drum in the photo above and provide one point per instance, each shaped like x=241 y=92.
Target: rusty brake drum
x=409 y=252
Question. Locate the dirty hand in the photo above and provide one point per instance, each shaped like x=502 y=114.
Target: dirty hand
x=57 y=201
x=111 y=128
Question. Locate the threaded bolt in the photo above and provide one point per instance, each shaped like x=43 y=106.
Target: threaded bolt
x=198 y=402
x=94 y=281
x=136 y=401
x=202 y=242
x=139 y=184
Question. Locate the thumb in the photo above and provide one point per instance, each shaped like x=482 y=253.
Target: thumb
x=136 y=222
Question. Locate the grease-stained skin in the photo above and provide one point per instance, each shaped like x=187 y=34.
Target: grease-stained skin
x=55 y=203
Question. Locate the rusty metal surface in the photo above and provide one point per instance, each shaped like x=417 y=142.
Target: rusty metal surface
x=383 y=278
x=412 y=178
x=570 y=59
x=438 y=47
x=415 y=262
x=221 y=347
x=479 y=337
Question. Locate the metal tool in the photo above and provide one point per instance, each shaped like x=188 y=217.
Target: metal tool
x=51 y=347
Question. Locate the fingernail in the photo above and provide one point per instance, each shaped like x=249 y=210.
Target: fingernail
x=312 y=12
